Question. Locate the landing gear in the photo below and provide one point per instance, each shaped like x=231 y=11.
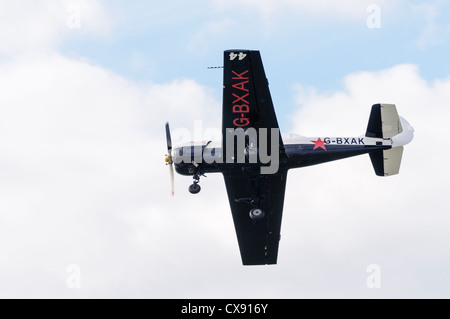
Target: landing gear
x=257 y=214
x=195 y=188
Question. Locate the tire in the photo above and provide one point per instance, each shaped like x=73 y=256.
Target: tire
x=257 y=214
x=194 y=189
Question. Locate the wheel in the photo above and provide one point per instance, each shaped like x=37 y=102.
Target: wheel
x=194 y=188
x=257 y=214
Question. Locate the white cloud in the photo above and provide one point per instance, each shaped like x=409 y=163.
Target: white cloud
x=83 y=182
x=395 y=85
x=347 y=212
x=81 y=162
x=41 y=25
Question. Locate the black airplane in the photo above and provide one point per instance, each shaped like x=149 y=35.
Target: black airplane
x=254 y=158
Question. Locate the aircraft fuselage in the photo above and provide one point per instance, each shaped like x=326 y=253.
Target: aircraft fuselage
x=209 y=156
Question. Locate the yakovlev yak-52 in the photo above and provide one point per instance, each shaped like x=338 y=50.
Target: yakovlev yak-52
x=254 y=158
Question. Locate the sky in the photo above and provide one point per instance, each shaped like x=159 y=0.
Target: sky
x=85 y=203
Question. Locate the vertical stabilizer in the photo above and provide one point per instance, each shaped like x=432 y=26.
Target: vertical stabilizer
x=385 y=124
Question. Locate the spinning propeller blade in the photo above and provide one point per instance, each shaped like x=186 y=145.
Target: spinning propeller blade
x=168 y=138
x=169 y=159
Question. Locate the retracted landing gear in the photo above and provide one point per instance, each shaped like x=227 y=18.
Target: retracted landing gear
x=257 y=214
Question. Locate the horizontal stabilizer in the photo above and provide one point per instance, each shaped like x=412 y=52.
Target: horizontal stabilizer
x=387 y=162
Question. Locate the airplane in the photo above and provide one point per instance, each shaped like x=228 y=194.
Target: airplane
x=255 y=158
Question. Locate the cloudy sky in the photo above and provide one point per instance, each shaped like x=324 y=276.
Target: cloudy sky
x=85 y=205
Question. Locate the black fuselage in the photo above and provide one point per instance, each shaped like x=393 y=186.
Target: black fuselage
x=292 y=156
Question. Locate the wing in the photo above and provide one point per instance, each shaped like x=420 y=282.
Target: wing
x=247 y=104
x=246 y=97
x=258 y=240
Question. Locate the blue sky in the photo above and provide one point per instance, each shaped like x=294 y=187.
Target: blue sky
x=155 y=42
x=85 y=204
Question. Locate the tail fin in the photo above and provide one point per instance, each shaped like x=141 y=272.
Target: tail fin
x=386 y=125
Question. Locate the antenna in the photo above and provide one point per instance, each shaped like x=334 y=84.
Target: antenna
x=215 y=67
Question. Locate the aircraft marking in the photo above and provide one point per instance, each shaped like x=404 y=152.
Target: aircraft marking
x=240 y=106
x=345 y=140
x=319 y=144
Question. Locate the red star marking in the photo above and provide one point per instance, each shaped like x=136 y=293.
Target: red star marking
x=319 y=143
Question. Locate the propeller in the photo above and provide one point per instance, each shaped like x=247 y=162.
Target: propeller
x=169 y=158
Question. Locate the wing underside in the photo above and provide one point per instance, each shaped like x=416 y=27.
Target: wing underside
x=258 y=239
x=247 y=104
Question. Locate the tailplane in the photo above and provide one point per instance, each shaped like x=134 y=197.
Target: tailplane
x=385 y=127
x=384 y=122
x=387 y=162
